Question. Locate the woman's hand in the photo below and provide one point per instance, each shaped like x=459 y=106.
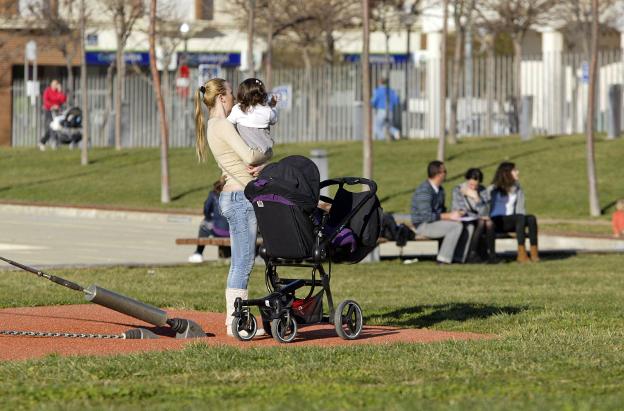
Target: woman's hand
x=255 y=170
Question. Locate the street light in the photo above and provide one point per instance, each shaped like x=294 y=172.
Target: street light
x=184 y=30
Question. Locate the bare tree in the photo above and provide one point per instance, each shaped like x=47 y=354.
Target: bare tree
x=577 y=19
x=124 y=15
x=84 y=155
x=594 y=204
x=60 y=21
x=515 y=17
x=462 y=17
x=164 y=129
x=442 y=138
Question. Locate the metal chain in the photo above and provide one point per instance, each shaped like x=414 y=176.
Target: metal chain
x=61 y=334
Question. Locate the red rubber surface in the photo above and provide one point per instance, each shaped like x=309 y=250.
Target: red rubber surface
x=95 y=319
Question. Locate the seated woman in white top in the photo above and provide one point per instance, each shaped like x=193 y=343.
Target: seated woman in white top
x=508 y=212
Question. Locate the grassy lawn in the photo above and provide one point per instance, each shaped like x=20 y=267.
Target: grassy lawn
x=553 y=173
x=559 y=325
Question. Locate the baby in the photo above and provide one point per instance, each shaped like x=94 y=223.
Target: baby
x=253 y=115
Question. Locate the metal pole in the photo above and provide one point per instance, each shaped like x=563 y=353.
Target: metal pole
x=366 y=93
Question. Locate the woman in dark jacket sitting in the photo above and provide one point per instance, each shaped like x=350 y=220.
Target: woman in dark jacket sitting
x=473 y=199
x=508 y=212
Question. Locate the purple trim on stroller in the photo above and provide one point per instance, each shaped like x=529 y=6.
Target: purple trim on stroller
x=273 y=198
x=345 y=237
x=261 y=182
x=220 y=232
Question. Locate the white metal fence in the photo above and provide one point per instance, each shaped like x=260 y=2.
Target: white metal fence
x=326 y=101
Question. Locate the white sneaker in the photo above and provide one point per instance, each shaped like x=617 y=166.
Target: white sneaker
x=196 y=258
x=42 y=147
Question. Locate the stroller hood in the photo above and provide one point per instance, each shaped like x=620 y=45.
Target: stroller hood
x=295 y=178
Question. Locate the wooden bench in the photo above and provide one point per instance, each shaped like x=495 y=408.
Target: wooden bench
x=225 y=241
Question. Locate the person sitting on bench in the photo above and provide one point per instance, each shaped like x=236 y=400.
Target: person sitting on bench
x=431 y=220
x=213 y=224
x=508 y=212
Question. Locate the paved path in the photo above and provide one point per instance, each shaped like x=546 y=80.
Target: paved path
x=57 y=236
x=52 y=236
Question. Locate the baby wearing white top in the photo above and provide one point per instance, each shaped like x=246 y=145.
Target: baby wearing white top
x=253 y=116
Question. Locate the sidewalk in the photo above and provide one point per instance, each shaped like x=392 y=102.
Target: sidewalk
x=51 y=236
x=68 y=236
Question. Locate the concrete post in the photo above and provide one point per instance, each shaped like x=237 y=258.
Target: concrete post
x=552 y=104
x=319 y=157
x=614 y=112
x=358 y=120
x=526 y=118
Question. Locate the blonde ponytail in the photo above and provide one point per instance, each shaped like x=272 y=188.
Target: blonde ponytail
x=207 y=93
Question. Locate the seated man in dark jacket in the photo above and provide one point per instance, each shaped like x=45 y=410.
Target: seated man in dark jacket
x=431 y=220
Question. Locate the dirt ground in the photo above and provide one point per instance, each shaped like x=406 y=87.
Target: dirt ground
x=95 y=319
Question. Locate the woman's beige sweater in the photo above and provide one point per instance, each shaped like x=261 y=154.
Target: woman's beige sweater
x=232 y=154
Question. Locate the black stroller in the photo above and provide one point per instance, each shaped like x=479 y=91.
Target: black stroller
x=296 y=233
x=67 y=126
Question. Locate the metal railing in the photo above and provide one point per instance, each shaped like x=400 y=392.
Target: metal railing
x=326 y=101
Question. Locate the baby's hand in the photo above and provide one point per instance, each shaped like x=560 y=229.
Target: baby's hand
x=273 y=101
x=255 y=170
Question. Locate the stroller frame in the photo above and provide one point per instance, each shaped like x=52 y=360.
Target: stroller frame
x=276 y=308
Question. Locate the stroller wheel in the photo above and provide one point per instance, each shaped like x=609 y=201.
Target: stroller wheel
x=244 y=327
x=348 y=320
x=284 y=329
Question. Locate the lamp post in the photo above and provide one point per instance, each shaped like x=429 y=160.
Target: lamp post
x=184 y=30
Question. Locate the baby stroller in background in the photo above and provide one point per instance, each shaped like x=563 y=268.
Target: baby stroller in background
x=296 y=233
x=67 y=127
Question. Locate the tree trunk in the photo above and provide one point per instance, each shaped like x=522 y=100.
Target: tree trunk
x=118 y=92
x=489 y=89
x=367 y=160
x=330 y=48
x=84 y=156
x=516 y=102
x=70 y=80
x=442 y=137
x=594 y=204
x=457 y=69
x=164 y=131
x=388 y=122
x=251 y=5
x=268 y=62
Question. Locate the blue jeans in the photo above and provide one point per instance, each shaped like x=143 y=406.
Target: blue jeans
x=381 y=123
x=243 y=227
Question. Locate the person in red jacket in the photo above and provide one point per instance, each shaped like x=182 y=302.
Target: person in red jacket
x=53 y=99
x=617 y=220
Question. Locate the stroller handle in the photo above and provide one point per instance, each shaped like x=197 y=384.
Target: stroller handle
x=351 y=181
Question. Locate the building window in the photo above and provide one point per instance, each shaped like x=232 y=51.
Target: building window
x=204 y=9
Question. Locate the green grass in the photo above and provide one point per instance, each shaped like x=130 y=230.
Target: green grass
x=553 y=173
x=558 y=324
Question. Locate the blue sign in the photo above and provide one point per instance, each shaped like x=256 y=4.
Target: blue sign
x=218 y=59
x=105 y=58
x=585 y=73
x=378 y=58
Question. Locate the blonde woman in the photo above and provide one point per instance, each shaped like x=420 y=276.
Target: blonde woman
x=239 y=164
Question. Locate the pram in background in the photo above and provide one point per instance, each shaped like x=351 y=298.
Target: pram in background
x=67 y=127
x=296 y=233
